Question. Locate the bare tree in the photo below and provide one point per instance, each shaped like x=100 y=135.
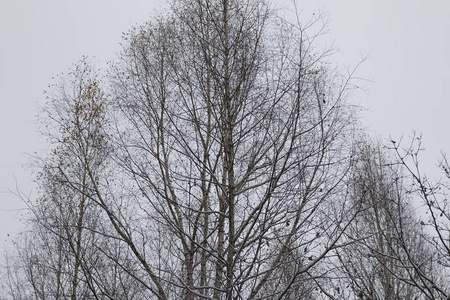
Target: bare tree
x=217 y=167
x=231 y=132
x=433 y=282
x=61 y=256
x=375 y=262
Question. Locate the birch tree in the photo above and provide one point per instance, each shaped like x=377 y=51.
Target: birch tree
x=214 y=163
x=436 y=221
x=233 y=134
x=61 y=255
x=376 y=263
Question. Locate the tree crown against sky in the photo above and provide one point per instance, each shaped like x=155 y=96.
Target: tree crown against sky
x=213 y=161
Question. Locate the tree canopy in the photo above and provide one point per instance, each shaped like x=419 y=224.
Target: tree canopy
x=219 y=158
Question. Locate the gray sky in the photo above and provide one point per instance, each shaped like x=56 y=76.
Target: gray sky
x=408 y=43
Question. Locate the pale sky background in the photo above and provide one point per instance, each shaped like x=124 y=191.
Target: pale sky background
x=408 y=43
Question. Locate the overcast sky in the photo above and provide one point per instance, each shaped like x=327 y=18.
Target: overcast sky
x=408 y=43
